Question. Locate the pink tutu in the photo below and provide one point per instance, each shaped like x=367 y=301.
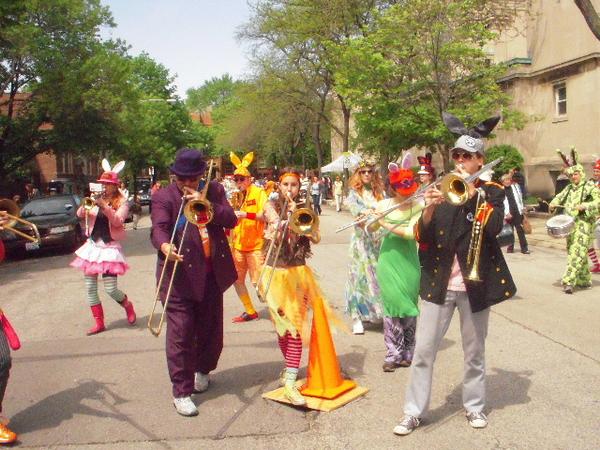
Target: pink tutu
x=96 y=258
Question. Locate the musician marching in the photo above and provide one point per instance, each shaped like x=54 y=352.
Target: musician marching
x=247 y=236
x=288 y=284
x=102 y=254
x=461 y=247
x=580 y=200
x=205 y=270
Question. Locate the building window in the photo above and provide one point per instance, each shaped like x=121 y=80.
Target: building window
x=560 y=99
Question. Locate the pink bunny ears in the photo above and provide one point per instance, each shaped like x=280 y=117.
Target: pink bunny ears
x=407 y=163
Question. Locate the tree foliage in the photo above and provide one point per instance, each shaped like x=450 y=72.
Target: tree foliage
x=511 y=158
x=421 y=58
x=213 y=93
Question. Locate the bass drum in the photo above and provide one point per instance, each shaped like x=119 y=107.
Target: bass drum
x=560 y=226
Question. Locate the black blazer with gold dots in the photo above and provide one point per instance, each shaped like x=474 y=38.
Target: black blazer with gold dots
x=449 y=234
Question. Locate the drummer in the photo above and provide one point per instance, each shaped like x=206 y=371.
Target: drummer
x=580 y=200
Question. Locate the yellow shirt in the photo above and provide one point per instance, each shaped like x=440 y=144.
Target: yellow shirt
x=248 y=234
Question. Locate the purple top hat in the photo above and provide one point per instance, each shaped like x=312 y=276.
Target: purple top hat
x=189 y=162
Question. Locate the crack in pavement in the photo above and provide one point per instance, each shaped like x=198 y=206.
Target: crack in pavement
x=545 y=336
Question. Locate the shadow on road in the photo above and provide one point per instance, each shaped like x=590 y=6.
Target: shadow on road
x=504 y=388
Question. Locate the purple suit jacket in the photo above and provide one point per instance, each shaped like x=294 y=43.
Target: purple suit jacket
x=190 y=277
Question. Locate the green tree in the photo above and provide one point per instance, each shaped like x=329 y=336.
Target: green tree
x=214 y=93
x=511 y=158
x=63 y=88
x=421 y=58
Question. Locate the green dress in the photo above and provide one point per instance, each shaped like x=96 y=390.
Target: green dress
x=398 y=267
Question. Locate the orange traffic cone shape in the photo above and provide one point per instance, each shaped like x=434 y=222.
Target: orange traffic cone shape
x=324 y=379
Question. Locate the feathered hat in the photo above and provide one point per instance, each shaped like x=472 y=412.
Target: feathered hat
x=572 y=164
x=425 y=165
x=241 y=166
x=402 y=178
x=111 y=175
x=470 y=139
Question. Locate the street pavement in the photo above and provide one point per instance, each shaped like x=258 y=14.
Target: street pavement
x=111 y=391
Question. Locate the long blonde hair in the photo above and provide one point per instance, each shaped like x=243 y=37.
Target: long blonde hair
x=377 y=185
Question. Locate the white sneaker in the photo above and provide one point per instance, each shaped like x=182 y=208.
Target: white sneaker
x=185 y=406
x=201 y=382
x=407 y=425
x=477 y=420
x=357 y=327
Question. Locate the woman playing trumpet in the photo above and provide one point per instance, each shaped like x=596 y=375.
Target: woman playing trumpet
x=102 y=253
x=292 y=289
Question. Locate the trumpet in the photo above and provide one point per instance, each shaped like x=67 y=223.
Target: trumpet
x=237 y=200
x=474 y=254
x=304 y=221
x=198 y=212
x=13 y=212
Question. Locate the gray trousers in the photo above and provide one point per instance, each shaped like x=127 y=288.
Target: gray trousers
x=431 y=327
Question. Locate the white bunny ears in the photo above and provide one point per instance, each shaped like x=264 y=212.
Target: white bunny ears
x=118 y=166
x=407 y=163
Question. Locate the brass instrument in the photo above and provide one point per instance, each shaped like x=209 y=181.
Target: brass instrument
x=198 y=212
x=88 y=203
x=237 y=200
x=304 y=221
x=13 y=212
x=479 y=222
x=455 y=189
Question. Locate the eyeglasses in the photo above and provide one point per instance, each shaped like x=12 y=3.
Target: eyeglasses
x=466 y=156
x=404 y=184
x=236 y=179
x=362 y=172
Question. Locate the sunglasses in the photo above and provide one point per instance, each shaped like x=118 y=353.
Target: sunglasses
x=362 y=172
x=404 y=184
x=466 y=156
x=239 y=178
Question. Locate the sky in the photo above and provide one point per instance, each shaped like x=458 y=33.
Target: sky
x=194 y=39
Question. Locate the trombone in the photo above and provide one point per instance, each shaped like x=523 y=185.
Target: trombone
x=200 y=213
x=13 y=212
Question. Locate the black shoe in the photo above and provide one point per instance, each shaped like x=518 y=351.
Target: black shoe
x=525 y=252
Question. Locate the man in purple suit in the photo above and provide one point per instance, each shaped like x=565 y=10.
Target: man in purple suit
x=204 y=272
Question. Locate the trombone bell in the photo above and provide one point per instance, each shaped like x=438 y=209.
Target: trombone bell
x=13 y=212
x=455 y=189
x=304 y=221
x=198 y=212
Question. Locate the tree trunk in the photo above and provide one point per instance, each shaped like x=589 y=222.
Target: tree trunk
x=317 y=142
x=590 y=15
x=444 y=151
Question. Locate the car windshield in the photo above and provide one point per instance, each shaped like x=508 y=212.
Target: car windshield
x=49 y=206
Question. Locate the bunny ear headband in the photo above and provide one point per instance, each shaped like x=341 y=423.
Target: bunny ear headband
x=571 y=164
x=470 y=139
x=402 y=178
x=241 y=166
x=118 y=166
x=425 y=164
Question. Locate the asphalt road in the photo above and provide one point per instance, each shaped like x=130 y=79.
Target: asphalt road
x=112 y=390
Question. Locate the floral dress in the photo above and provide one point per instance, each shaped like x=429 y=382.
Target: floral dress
x=363 y=297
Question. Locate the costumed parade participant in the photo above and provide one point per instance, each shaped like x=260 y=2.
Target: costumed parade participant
x=363 y=297
x=580 y=200
x=194 y=338
x=102 y=254
x=426 y=170
x=398 y=267
x=461 y=247
x=8 y=340
x=288 y=285
x=592 y=252
x=247 y=238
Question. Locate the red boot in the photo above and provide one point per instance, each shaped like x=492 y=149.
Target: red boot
x=98 y=314
x=129 y=310
x=595 y=269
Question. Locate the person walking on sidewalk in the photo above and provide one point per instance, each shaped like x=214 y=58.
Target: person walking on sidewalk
x=447 y=231
x=247 y=236
x=362 y=295
x=338 y=192
x=102 y=254
x=315 y=193
x=513 y=211
x=194 y=338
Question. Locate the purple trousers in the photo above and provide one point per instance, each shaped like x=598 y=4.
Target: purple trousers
x=194 y=336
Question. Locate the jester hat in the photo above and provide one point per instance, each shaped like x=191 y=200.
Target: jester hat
x=241 y=166
x=572 y=165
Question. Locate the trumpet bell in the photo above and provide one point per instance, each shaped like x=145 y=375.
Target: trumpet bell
x=455 y=189
x=88 y=203
x=304 y=221
x=12 y=209
x=198 y=212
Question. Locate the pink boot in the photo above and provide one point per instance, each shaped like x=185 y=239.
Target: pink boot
x=98 y=314
x=129 y=310
x=595 y=269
